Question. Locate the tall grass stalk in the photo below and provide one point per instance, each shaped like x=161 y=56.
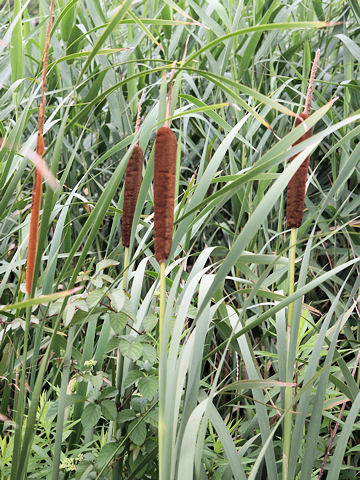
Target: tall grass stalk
x=289 y=370
x=295 y=209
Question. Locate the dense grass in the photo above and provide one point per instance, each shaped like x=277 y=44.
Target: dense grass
x=91 y=390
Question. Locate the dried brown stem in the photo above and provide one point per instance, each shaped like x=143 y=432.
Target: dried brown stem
x=310 y=89
x=168 y=105
x=37 y=189
x=138 y=117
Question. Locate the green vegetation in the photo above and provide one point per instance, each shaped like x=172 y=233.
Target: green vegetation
x=82 y=374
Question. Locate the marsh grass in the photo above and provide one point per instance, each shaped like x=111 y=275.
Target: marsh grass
x=91 y=383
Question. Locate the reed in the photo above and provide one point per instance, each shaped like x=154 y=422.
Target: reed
x=37 y=188
x=133 y=179
x=164 y=193
x=294 y=215
x=31 y=256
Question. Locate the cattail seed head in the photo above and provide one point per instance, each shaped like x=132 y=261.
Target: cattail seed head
x=133 y=178
x=164 y=191
x=297 y=185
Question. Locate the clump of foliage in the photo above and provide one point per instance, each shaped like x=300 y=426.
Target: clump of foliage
x=82 y=374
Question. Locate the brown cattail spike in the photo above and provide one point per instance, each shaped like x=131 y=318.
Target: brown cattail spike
x=133 y=178
x=297 y=185
x=164 y=191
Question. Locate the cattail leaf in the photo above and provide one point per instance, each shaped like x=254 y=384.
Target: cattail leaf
x=121 y=12
x=67 y=18
x=16 y=51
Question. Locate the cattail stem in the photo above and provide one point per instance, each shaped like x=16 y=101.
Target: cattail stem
x=37 y=189
x=126 y=264
x=288 y=390
x=162 y=300
x=164 y=193
x=161 y=425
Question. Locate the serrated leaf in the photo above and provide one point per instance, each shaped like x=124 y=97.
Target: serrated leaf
x=132 y=377
x=97 y=380
x=68 y=314
x=150 y=322
x=149 y=352
x=83 y=470
x=148 y=387
x=117 y=322
x=108 y=409
x=125 y=415
x=95 y=297
x=117 y=299
x=152 y=417
x=90 y=415
x=105 y=453
x=131 y=350
x=108 y=392
x=138 y=435
x=113 y=343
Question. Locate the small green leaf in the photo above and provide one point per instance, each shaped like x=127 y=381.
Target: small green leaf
x=105 y=453
x=117 y=322
x=95 y=297
x=125 y=416
x=149 y=353
x=117 y=299
x=153 y=417
x=108 y=409
x=150 y=322
x=132 y=350
x=148 y=387
x=109 y=392
x=139 y=434
x=132 y=377
x=90 y=415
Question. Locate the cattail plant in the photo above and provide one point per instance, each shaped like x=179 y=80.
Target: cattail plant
x=31 y=257
x=164 y=193
x=294 y=215
x=133 y=179
x=37 y=188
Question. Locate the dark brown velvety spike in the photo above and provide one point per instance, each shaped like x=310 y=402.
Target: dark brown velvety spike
x=164 y=191
x=297 y=185
x=133 y=178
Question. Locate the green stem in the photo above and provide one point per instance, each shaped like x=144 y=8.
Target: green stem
x=288 y=390
x=126 y=264
x=161 y=426
x=62 y=405
x=21 y=401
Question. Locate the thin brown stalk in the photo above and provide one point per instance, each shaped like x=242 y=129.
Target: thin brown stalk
x=138 y=116
x=310 y=90
x=37 y=188
x=168 y=104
